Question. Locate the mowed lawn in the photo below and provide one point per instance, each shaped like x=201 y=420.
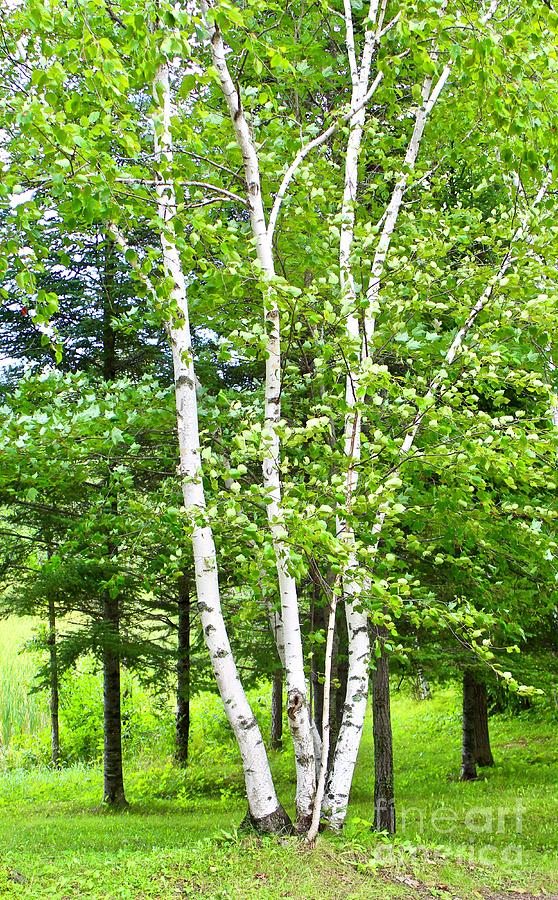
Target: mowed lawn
x=494 y=838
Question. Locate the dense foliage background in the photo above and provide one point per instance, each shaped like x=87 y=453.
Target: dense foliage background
x=278 y=389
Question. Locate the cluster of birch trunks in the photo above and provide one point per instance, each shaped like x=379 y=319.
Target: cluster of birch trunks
x=323 y=773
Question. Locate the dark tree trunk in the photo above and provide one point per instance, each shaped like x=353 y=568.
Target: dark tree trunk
x=113 y=792
x=54 y=694
x=339 y=675
x=277 y=822
x=483 y=751
x=183 y=672
x=384 y=799
x=109 y=334
x=318 y=659
x=468 y=750
x=277 y=710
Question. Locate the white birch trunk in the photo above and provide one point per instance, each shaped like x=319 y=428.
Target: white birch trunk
x=336 y=796
x=324 y=747
x=264 y=806
x=298 y=711
x=348 y=742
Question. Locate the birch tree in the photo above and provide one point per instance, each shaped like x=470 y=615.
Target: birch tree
x=298 y=710
x=359 y=647
x=265 y=810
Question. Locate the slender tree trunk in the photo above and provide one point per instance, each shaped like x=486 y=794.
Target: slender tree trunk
x=54 y=693
x=384 y=799
x=265 y=811
x=277 y=710
x=339 y=672
x=422 y=687
x=483 y=751
x=326 y=719
x=298 y=709
x=336 y=797
x=318 y=622
x=276 y=628
x=468 y=750
x=113 y=792
x=183 y=672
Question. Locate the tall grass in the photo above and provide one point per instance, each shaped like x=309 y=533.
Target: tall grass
x=20 y=711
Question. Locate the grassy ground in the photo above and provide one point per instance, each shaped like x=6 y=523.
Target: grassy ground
x=455 y=840
x=495 y=838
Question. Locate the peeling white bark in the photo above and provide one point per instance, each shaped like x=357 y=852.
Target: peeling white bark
x=298 y=711
x=260 y=790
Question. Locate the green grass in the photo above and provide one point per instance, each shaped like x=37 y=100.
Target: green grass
x=179 y=837
x=509 y=812
x=20 y=711
x=57 y=843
